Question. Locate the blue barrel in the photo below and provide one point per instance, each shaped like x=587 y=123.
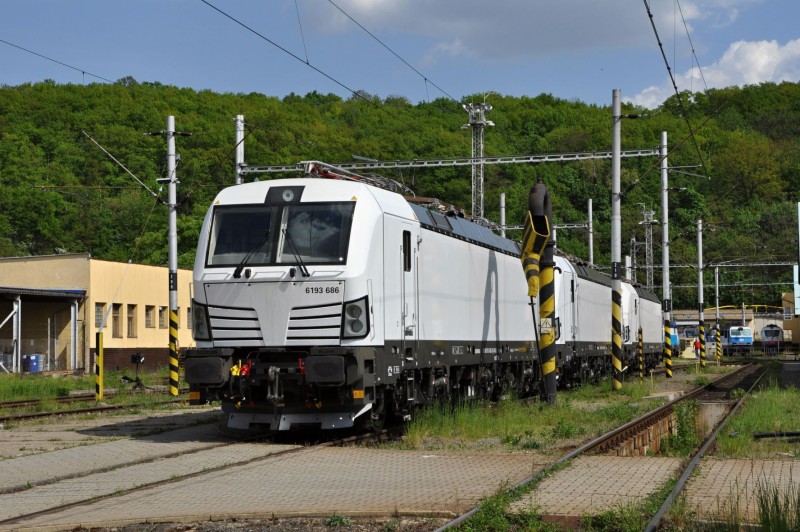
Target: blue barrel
x=35 y=363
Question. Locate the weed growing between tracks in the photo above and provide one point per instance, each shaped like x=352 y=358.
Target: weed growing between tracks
x=686 y=439
x=631 y=517
x=493 y=514
x=770 y=410
x=514 y=425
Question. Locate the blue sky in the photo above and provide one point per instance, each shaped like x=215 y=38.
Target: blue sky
x=573 y=49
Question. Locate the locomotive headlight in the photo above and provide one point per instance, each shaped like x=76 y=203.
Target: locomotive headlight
x=200 y=327
x=355 y=323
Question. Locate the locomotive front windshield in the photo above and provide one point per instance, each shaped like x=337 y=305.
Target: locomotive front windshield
x=265 y=235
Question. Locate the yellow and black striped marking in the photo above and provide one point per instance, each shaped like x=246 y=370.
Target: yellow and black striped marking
x=534 y=240
x=547 y=308
x=99 y=389
x=173 y=353
x=667 y=349
x=719 y=344
x=640 y=355
x=616 y=338
x=702 y=332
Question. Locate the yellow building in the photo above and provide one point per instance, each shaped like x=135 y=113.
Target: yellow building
x=54 y=305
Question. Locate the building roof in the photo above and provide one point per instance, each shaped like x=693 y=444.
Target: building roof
x=11 y=292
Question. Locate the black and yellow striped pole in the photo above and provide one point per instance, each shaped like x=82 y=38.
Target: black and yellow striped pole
x=718 y=337
x=702 y=332
x=537 y=263
x=701 y=324
x=173 y=353
x=616 y=243
x=640 y=356
x=172 y=244
x=99 y=389
x=173 y=258
x=666 y=302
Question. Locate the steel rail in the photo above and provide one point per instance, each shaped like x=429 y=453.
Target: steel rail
x=695 y=461
x=598 y=443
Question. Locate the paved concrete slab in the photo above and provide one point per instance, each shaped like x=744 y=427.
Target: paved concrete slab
x=42 y=435
x=592 y=484
x=722 y=486
x=99 y=485
x=28 y=470
x=314 y=482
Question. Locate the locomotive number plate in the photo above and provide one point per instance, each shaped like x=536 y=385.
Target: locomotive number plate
x=323 y=289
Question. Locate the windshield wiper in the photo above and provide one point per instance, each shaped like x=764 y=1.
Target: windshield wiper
x=303 y=269
x=237 y=273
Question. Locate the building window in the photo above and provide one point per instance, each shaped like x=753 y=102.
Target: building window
x=99 y=310
x=131 y=321
x=162 y=317
x=787 y=313
x=189 y=317
x=149 y=316
x=116 y=323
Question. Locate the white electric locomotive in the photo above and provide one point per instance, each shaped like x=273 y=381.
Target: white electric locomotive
x=323 y=303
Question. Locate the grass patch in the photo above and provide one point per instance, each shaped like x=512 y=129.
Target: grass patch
x=770 y=409
x=631 y=517
x=577 y=416
x=686 y=439
x=492 y=514
x=47 y=388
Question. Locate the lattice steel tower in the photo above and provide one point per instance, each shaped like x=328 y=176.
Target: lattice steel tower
x=477 y=121
x=648 y=221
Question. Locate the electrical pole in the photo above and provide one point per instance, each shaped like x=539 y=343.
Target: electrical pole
x=616 y=244
x=666 y=296
x=477 y=122
x=701 y=325
x=591 y=233
x=172 y=238
x=239 y=148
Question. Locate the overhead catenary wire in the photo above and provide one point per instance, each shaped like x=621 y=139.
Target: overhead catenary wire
x=356 y=93
x=423 y=76
x=82 y=71
x=691 y=44
x=674 y=83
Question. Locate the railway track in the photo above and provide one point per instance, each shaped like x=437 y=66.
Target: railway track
x=8 y=409
x=228 y=478
x=746 y=378
x=189 y=463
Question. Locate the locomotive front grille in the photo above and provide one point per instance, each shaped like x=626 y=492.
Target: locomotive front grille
x=233 y=327
x=318 y=325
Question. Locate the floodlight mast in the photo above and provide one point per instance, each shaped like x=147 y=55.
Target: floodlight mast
x=477 y=122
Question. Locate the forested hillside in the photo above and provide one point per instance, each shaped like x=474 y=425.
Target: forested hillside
x=61 y=194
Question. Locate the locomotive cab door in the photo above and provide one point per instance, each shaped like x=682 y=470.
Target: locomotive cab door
x=400 y=284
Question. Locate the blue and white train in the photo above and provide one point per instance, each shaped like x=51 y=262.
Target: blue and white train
x=326 y=303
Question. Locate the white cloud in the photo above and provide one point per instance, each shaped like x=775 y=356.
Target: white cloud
x=441 y=52
x=743 y=63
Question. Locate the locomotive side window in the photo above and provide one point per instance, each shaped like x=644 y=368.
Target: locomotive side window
x=407 y=251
